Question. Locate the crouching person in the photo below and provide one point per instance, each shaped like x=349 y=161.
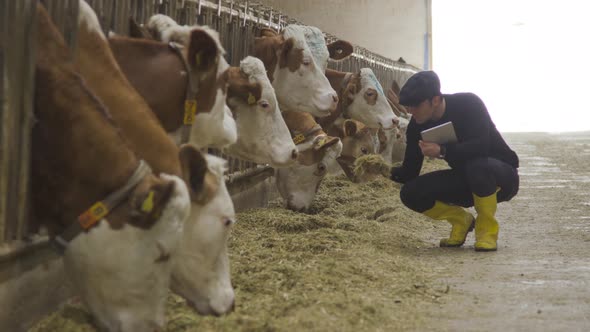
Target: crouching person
x=483 y=167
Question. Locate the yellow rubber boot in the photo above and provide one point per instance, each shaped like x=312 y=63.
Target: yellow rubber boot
x=461 y=221
x=486 y=225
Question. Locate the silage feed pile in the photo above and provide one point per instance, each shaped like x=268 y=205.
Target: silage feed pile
x=349 y=264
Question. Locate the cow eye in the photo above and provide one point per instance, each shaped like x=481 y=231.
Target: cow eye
x=370 y=93
x=364 y=150
x=306 y=62
x=264 y=104
x=227 y=221
x=321 y=170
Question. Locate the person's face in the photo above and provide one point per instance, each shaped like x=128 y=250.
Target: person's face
x=423 y=111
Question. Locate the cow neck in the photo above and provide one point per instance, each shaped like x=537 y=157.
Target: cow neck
x=100 y=209
x=190 y=103
x=339 y=81
x=77 y=154
x=130 y=111
x=300 y=137
x=298 y=134
x=343 y=104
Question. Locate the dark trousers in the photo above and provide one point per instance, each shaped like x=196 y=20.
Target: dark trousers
x=456 y=186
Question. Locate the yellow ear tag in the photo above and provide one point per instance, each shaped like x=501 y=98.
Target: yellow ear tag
x=321 y=141
x=92 y=215
x=198 y=57
x=190 y=110
x=251 y=99
x=148 y=204
x=298 y=139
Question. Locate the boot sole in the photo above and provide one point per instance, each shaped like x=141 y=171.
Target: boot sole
x=471 y=228
x=485 y=249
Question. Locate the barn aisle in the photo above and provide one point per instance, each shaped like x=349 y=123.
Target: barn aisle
x=539 y=278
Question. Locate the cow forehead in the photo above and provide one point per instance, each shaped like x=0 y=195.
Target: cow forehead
x=317 y=45
x=311 y=40
x=295 y=32
x=256 y=72
x=369 y=80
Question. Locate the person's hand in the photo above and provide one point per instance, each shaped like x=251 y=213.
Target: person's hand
x=429 y=149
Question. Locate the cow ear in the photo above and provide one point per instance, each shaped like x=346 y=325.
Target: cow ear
x=382 y=137
x=267 y=32
x=239 y=87
x=340 y=49
x=326 y=142
x=351 y=90
x=395 y=87
x=285 y=48
x=200 y=181
x=394 y=108
x=148 y=200
x=350 y=128
x=137 y=31
x=393 y=100
x=202 y=50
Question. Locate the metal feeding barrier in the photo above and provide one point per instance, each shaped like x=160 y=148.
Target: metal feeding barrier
x=238 y=23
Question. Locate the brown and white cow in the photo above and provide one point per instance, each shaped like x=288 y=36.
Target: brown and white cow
x=165 y=74
x=118 y=261
x=391 y=142
x=203 y=276
x=361 y=98
x=357 y=140
x=299 y=82
x=262 y=134
x=394 y=141
x=299 y=184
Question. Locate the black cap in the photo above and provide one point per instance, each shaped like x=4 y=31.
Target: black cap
x=420 y=87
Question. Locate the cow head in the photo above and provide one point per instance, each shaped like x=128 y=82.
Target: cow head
x=217 y=128
x=263 y=134
x=320 y=50
x=363 y=100
x=299 y=82
x=200 y=270
x=122 y=273
x=299 y=183
x=358 y=140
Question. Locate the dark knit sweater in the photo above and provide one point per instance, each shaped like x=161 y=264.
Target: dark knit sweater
x=476 y=134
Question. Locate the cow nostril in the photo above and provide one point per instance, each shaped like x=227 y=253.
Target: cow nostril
x=294 y=154
x=233 y=306
x=395 y=122
x=228 y=222
x=335 y=98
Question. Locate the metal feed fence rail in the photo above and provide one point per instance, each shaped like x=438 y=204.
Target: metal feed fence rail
x=238 y=22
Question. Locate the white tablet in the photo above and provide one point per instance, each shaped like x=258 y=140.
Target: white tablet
x=441 y=134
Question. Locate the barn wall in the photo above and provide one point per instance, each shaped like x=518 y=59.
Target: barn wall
x=392 y=28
